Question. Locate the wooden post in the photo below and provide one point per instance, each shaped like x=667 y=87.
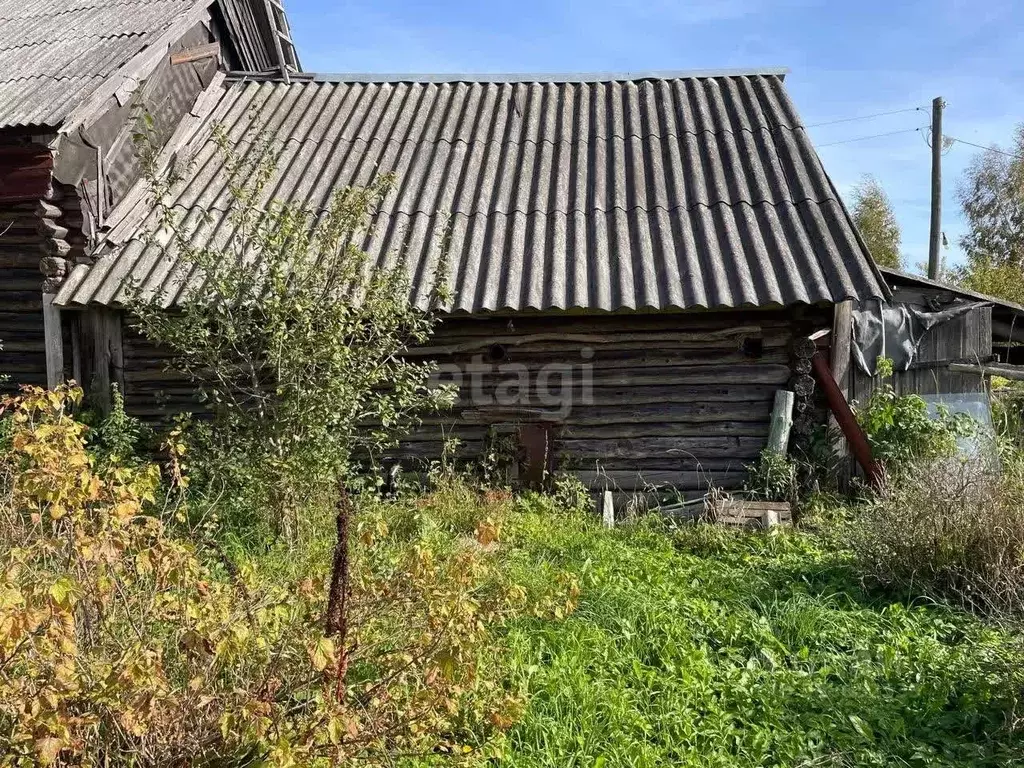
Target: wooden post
x=53 y=340
x=782 y=422
x=608 y=509
x=935 y=235
x=770 y=517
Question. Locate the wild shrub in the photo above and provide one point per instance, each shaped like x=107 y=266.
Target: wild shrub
x=1008 y=410
x=126 y=642
x=117 y=437
x=900 y=428
x=293 y=337
x=949 y=528
x=571 y=494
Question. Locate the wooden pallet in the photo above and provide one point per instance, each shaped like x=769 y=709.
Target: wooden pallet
x=750 y=514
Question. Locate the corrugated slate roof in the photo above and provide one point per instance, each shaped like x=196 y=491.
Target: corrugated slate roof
x=656 y=192
x=54 y=53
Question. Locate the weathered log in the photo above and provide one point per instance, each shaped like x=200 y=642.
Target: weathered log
x=803 y=348
x=586 y=339
x=782 y=422
x=662 y=447
x=803 y=386
x=696 y=412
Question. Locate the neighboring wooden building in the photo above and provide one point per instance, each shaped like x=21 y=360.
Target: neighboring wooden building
x=631 y=257
x=74 y=79
x=955 y=357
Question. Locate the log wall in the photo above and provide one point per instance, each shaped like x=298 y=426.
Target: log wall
x=628 y=402
x=631 y=402
x=23 y=252
x=21 y=299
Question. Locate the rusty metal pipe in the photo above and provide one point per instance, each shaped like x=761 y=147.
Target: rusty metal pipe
x=855 y=436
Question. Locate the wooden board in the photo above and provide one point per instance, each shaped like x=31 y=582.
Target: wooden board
x=749 y=514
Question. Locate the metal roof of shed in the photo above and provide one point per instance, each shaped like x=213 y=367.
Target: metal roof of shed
x=647 y=191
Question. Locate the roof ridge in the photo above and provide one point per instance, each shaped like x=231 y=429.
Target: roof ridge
x=515 y=77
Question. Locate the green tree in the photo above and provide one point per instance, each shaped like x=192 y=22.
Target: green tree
x=992 y=196
x=874 y=217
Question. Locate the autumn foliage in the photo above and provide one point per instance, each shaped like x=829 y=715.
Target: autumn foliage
x=128 y=639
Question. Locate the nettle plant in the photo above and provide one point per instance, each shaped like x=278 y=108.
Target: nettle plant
x=900 y=428
x=295 y=336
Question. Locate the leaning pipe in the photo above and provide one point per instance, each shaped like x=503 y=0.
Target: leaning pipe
x=855 y=436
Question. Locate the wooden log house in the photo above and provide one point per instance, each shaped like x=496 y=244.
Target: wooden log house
x=631 y=258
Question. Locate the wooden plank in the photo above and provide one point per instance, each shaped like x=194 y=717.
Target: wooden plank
x=751 y=514
x=1003 y=370
x=102 y=355
x=208 y=51
x=842 y=342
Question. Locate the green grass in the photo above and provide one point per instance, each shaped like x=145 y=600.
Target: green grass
x=707 y=648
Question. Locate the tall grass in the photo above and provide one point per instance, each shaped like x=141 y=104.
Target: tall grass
x=951 y=529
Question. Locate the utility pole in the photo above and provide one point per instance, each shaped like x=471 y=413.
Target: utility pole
x=935 y=240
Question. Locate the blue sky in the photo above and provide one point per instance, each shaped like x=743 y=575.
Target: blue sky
x=848 y=59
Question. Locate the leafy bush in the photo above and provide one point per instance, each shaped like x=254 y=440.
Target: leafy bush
x=117 y=438
x=571 y=494
x=900 y=429
x=951 y=529
x=123 y=641
x=294 y=338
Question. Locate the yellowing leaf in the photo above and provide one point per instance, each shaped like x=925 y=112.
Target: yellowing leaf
x=486 y=532
x=321 y=654
x=47 y=749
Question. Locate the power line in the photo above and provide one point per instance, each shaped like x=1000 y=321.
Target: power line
x=873 y=136
x=865 y=117
x=987 y=149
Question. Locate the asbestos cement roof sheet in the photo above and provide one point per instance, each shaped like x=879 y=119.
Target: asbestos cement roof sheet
x=55 y=53
x=605 y=193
